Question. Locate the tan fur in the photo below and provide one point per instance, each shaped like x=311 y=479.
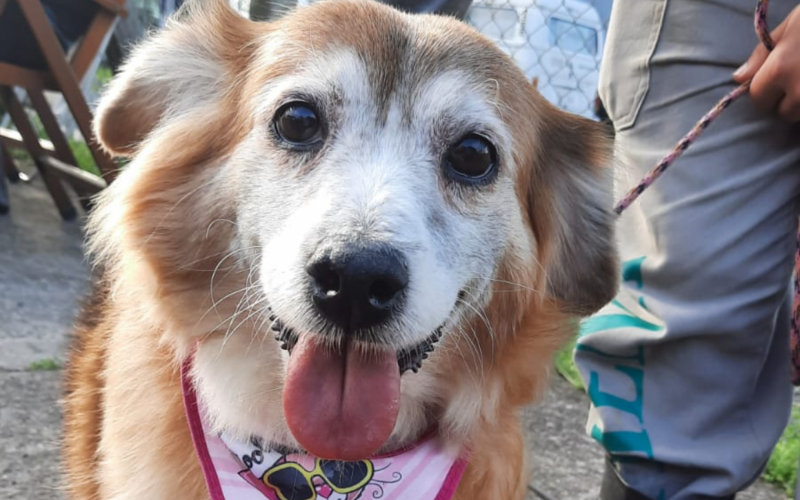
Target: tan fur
x=167 y=235
x=82 y=388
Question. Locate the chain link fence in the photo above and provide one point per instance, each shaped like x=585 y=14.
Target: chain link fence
x=557 y=43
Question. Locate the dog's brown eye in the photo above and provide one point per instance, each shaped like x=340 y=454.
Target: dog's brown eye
x=298 y=124
x=473 y=157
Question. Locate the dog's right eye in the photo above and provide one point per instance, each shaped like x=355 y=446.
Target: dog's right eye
x=472 y=159
x=297 y=124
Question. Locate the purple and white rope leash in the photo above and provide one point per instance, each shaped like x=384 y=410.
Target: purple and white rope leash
x=705 y=121
x=683 y=145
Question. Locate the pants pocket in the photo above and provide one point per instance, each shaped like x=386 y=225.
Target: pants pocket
x=633 y=34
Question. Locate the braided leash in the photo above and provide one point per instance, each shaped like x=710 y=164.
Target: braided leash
x=705 y=121
x=688 y=139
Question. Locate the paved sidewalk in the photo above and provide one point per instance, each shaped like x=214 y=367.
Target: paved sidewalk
x=42 y=275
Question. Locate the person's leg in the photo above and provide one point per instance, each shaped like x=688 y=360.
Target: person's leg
x=688 y=371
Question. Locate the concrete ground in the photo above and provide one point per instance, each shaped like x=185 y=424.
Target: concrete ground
x=42 y=275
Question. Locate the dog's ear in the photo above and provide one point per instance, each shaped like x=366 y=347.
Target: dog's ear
x=570 y=198
x=176 y=70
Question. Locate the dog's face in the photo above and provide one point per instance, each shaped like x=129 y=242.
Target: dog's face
x=372 y=188
x=374 y=199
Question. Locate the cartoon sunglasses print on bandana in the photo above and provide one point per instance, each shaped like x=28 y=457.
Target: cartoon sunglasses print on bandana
x=292 y=482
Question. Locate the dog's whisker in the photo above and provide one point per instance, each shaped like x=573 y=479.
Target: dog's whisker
x=247 y=286
x=211 y=224
x=473 y=341
x=258 y=330
x=262 y=393
x=172 y=209
x=480 y=289
x=215 y=329
x=516 y=287
x=467 y=363
x=247 y=308
x=214 y=275
x=185 y=266
x=512 y=283
x=481 y=314
x=215 y=303
x=238 y=310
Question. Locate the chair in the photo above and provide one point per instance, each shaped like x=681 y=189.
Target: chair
x=36 y=60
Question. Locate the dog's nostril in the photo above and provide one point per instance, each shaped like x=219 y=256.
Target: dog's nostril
x=328 y=282
x=383 y=290
x=324 y=277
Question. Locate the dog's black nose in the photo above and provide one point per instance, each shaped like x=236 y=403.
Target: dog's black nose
x=358 y=286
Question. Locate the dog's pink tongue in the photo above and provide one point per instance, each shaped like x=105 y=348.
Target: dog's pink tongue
x=341 y=405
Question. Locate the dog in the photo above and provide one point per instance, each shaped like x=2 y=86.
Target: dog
x=386 y=194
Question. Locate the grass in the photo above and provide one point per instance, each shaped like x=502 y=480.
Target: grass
x=20 y=155
x=782 y=467
x=566 y=367
x=44 y=365
x=83 y=156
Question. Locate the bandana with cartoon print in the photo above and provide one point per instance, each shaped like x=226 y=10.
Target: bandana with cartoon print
x=248 y=471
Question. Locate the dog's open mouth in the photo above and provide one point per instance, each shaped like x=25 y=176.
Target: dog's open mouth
x=409 y=359
x=342 y=403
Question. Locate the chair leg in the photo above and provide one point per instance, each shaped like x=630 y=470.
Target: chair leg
x=4 y=202
x=31 y=141
x=11 y=171
x=60 y=144
x=67 y=83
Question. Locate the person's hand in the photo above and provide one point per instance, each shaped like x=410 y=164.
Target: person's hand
x=776 y=74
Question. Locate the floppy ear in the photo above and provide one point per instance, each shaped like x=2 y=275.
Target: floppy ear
x=178 y=69
x=571 y=201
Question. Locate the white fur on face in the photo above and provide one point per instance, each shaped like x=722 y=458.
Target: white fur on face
x=376 y=181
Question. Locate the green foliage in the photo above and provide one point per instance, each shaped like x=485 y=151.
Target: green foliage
x=104 y=74
x=782 y=466
x=44 y=365
x=37 y=124
x=566 y=366
x=102 y=78
x=20 y=155
x=83 y=155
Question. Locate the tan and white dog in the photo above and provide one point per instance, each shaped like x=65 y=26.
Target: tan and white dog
x=365 y=183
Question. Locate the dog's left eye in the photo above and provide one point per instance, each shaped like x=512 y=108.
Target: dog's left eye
x=473 y=157
x=298 y=124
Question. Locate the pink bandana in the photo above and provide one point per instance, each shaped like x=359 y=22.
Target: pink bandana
x=248 y=471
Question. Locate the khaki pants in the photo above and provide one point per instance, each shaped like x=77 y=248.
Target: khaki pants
x=688 y=370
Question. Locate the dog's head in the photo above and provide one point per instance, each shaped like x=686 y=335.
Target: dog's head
x=373 y=188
